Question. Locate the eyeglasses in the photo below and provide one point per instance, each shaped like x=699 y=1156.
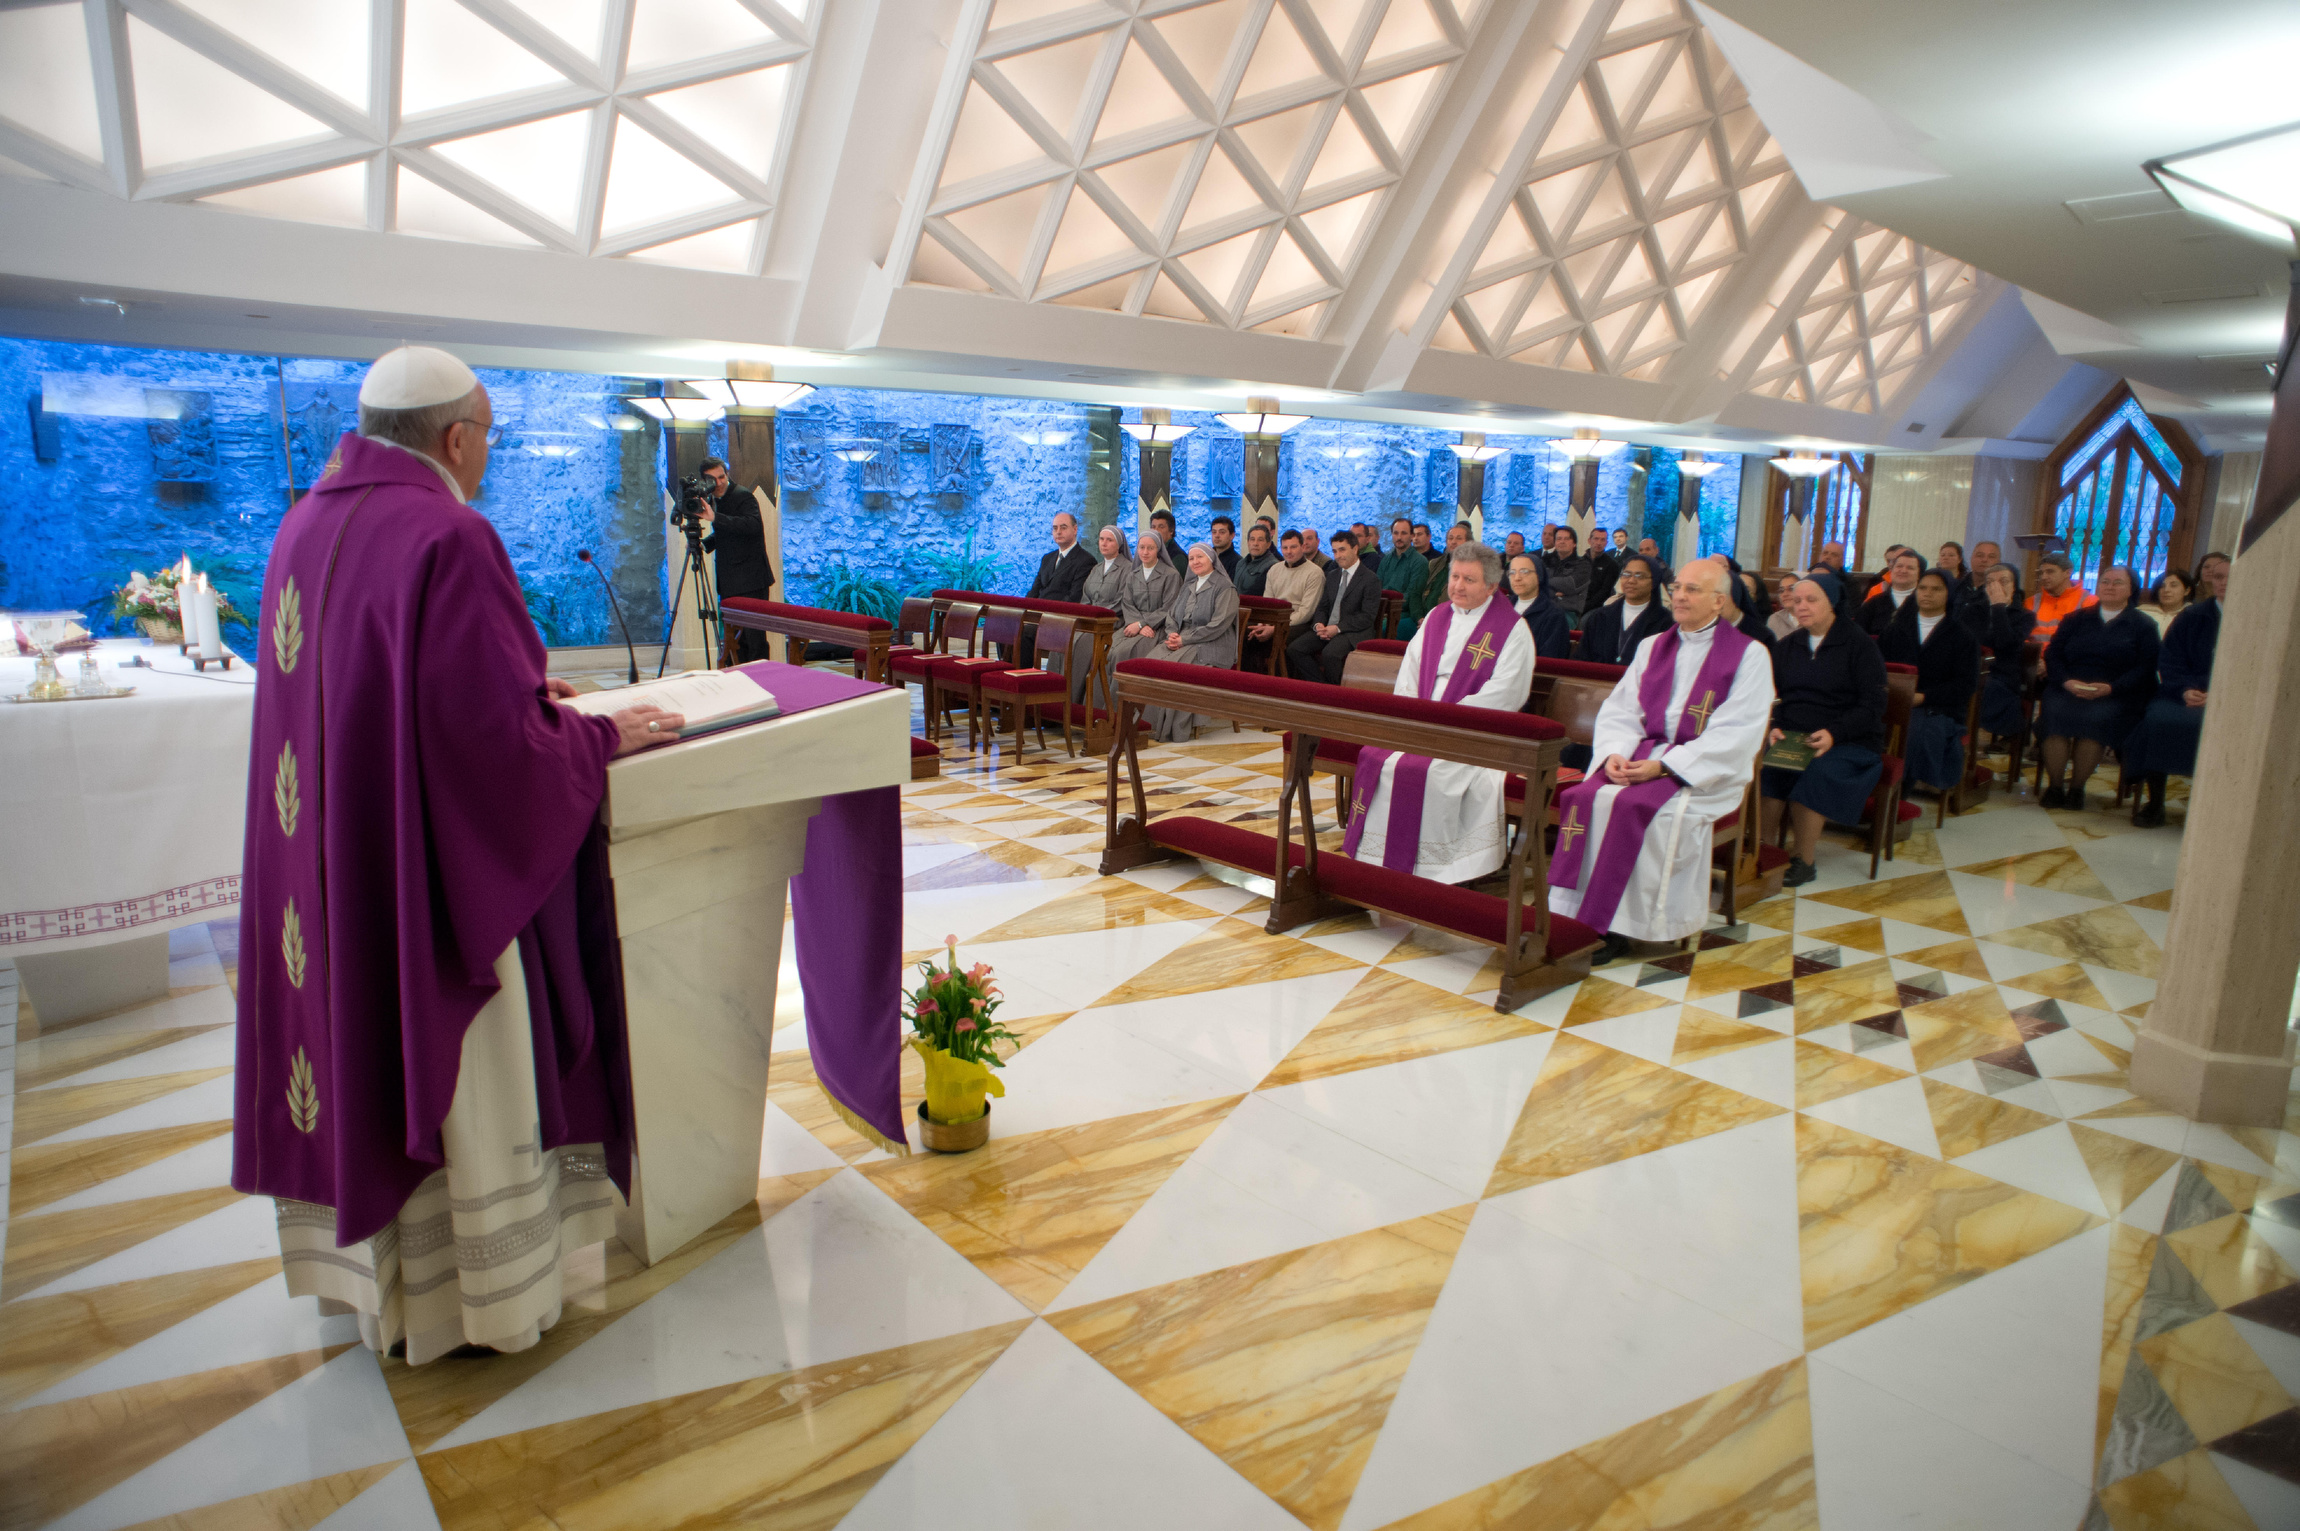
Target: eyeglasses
x=494 y=433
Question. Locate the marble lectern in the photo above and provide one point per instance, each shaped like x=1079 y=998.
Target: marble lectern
x=703 y=838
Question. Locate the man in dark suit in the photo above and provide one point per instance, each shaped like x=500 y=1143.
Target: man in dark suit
x=737 y=543
x=1062 y=573
x=1345 y=616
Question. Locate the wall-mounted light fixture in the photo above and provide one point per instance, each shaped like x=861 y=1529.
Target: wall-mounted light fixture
x=1157 y=428
x=680 y=411
x=751 y=393
x=1803 y=462
x=1262 y=418
x=1696 y=464
x=1585 y=445
x=1472 y=448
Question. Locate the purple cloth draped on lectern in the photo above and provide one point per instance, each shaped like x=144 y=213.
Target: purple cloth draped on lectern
x=1409 y=788
x=1636 y=806
x=846 y=918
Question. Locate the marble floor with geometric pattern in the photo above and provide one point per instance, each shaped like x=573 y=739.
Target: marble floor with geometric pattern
x=1846 y=1219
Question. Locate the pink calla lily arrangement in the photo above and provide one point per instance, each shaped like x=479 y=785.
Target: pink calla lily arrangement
x=954 y=1009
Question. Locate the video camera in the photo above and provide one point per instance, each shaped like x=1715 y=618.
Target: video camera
x=695 y=497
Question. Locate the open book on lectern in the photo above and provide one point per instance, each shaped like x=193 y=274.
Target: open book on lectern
x=709 y=700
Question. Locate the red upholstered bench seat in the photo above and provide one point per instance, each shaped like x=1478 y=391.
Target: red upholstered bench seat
x=817 y=614
x=925 y=759
x=1080 y=715
x=1330 y=751
x=1479 y=916
x=920 y=747
x=1520 y=725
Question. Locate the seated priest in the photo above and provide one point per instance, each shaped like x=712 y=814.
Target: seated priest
x=1442 y=819
x=1675 y=743
x=1294 y=580
x=1349 y=606
x=1145 y=601
x=431 y=1061
x=1926 y=634
x=1829 y=684
x=2099 y=673
x=2001 y=624
x=1550 y=627
x=1062 y=572
x=1201 y=629
x=2165 y=742
x=1610 y=634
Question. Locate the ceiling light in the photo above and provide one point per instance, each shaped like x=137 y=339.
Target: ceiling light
x=1584 y=445
x=1695 y=464
x=750 y=393
x=2252 y=182
x=1804 y=463
x=1157 y=428
x=1262 y=418
x=1472 y=448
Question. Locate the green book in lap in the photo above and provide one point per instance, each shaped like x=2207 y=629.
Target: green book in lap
x=1791 y=752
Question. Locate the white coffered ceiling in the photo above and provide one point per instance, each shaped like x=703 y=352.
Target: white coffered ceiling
x=1538 y=210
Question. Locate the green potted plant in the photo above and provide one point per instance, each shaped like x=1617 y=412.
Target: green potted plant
x=952 y=1025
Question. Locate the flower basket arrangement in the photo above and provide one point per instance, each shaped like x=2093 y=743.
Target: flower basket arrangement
x=156 y=605
x=955 y=1032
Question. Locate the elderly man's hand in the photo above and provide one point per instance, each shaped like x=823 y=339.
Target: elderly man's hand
x=558 y=690
x=645 y=726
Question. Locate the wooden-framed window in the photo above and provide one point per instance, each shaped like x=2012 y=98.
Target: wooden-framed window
x=1803 y=513
x=2123 y=489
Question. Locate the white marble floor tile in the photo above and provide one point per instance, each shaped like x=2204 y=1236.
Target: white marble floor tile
x=1768 y=1070
x=2166 y=1132
x=1649 y=1034
x=209 y=1050
x=2076 y=1099
x=330 y=1420
x=1895 y=1113
x=1453 y=972
x=245 y=1230
x=2278 y=1351
x=925 y=858
x=1088 y=1070
x=1992 y=904
x=197 y=1168
x=2148 y=1209
x=398 y=1502
x=2064 y=1052
x=2270 y=1501
x=1901 y=936
x=1881 y=1463
x=1266 y=1181
x=253 y=1325
x=1537 y=1346
x=1077 y=969
x=1552 y=1008
x=207 y=1102
x=202 y=1007
x=2123 y=990
x=1364 y=945
x=2010 y=964
x=1099 y=1455
x=2214 y=1145
x=1447 y=1116
x=1814 y=916
x=2013 y=1355
x=1240 y=1033
x=786 y=1148
x=1166 y=876
x=930 y=914
x=1714 y=1220
x=2133 y=866
x=1976 y=838
x=840 y=1272
x=2045 y=1161
x=1218 y=900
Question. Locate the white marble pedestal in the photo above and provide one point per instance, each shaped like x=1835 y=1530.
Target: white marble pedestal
x=94 y=980
x=703 y=838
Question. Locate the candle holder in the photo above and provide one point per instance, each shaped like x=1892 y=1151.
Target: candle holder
x=200 y=663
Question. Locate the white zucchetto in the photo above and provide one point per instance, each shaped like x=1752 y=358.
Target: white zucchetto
x=415 y=377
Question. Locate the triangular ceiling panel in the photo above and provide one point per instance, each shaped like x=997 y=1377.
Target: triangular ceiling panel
x=1623 y=75
x=1140 y=97
x=665 y=32
x=47 y=83
x=325 y=41
x=580 y=24
x=1087 y=237
x=1281 y=60
x=938 y=267
x=1276 y=142
x=1607 y=209
x=189 y=108
x=337 y=196
x=429 y=209
x=1575 y=128
x=1407 y=27
x=720 y=249
x=1003 y=229
x=1302 y=322
x=1678 y=93
x=1336 y=226
x=450 y=57
x=1692 y=294
x=1491 y=306
x=540 y=164
x=740 y=115
x=1145 y=183
x=1451 y=336
x=1397 y=104
x=1222 y=193
x=1510 y=242
x=1287 y=272
x=1204 y=38
x=1110 y=296
x=986 y=140
x=648 y=182
x=1218 y=266
x=1346 y=154
x=1556 y=198
x=1168 y=301
x=1053 y=80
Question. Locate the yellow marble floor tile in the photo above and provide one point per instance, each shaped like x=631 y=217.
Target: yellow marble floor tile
x=1105 y=903
x=791 y=1085
x=1866 y=935
x=603 y=1283
x=2212 y=1376
x=790 y=1451
x=1823 y=1074
x=2106 y=937
x=1749 y=965
x=1285 y=1367
x=1884 y=1229
x=1966 y=1122
x=1420 y=942
x=1231 y=952
x=2139 y=1105
x=43 y=1340
x=2063 y=871
x=1779 y=913
x=1922 y=848
x=2068 y=981
x=2121 y=1057
x=1960 y=957
x=39 y=1176
x=1740 y=1459
x=1926 y=899
x=1966 y=1025
x=298 y=1507
x=2131 y=1256
x=2185 y=1494
x=1031 y=1211
x=48 y=1245
x=1601 y=999
x=2160 y=901
x=1593 y=1105
x=2231 y=1262
x=1854 y=992
x=1702 y=1035
x=45 y=1060
x=44 y=1113
x=1389 y=1018
x=60 y=1455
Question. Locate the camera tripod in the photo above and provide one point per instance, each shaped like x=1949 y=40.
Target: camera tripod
x=698 y=573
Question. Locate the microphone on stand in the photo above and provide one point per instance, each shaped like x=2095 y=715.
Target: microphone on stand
x=585 y=555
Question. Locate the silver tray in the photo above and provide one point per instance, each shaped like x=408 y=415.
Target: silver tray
x=104 y=695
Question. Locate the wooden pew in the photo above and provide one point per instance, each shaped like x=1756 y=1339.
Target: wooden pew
x=1540 y=951
x=1372 y=666
x=869 y=637
x=1094 y=630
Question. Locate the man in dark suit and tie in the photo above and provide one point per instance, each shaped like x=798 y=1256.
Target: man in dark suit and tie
x=1062 y=573
x=1345 y=616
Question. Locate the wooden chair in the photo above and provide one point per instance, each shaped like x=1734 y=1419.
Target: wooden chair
x=1884 y=807
x=959 y=624
x=948 y=679
x=1973 y=785
x=1257 y=610
x=1388 y=614
x=1027 y=695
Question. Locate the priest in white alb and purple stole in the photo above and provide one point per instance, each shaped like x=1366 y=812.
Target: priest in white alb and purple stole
x=1442 y=819
x=1671 y=754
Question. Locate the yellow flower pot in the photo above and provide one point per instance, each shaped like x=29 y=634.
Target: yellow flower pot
x=955 y=1089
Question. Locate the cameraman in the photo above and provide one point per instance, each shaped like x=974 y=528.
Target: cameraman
x=737 y=541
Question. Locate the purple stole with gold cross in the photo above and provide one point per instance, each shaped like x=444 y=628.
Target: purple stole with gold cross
x=1636 y=806
x=1479 y=659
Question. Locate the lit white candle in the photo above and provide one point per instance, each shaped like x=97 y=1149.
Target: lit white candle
x=202 y=607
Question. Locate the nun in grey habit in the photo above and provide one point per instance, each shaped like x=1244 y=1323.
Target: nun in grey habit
x=1145 y=600
x=1201 y=629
